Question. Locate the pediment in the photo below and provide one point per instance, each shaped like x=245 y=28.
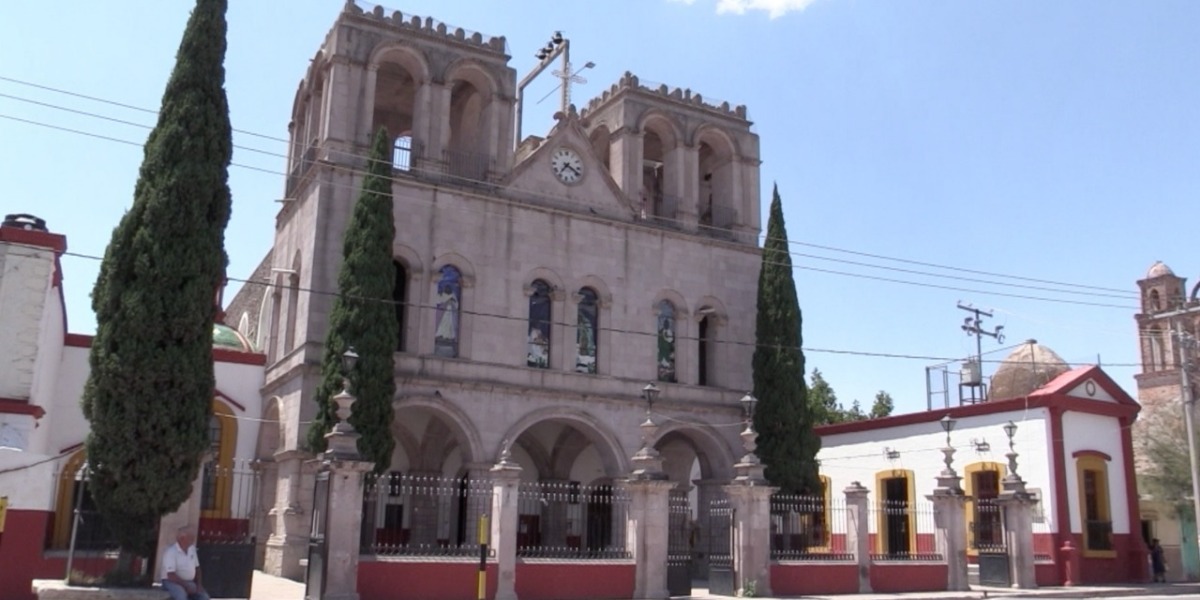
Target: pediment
x=596 y=192
x=1091 y=389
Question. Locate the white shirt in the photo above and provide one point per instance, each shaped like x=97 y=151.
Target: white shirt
x=183 y=564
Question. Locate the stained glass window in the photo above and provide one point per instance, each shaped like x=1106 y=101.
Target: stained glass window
x=666 y=341
x=448 y=301
x=538 y=355
x=587 y=328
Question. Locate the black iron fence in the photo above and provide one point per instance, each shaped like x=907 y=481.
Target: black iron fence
x=904 y=531
x=808 y=528
x=987 y=528
x=571 y=521
x=424 y=515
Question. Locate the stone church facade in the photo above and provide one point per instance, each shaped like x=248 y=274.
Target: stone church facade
x=539 y=287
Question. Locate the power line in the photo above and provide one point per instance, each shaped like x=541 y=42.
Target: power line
x=678 y=337
x=815 y=269
x=1123 y=293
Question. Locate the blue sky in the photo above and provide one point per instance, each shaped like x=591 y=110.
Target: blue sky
x=1057 y=141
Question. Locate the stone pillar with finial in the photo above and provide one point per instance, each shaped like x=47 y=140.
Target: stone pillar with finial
x=750 y=498
x=648 y=525
x=506 y=491
x=1016 y=505
x=343 y=518
x=858 y=532
x=949 y=509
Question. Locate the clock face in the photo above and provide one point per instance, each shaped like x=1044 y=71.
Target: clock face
x=566 y=165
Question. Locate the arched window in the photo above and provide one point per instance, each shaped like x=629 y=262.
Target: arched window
x=1091 y=469
x=705 y=349
x=289 y=342
x=217 y=485
x=1157 y=359
x=587 y=323
x=399 y=291
x=538 y=355
x=666 y=341
x=402 y=153
x=449 y=299
x=985 y=529
x=1153 y=302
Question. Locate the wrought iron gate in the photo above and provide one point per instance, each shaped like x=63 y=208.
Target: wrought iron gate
x=229 y=516
x=314 y=588
x=720 y=548
x=990 y=541
x=679 y=545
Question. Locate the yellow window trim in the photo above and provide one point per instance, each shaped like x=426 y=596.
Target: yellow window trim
x=1098 y=465
x=881 y=515
x=969 y=481
x=64 y=502
x=223 y=462
x=827 y=532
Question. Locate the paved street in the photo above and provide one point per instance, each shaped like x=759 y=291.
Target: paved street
x=267 y=587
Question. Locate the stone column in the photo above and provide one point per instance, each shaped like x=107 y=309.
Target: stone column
x=288 y=542
x=647 y=533
x=949 y=513
x=750 y=499
x=343 y=524
x=1017 y=507
x=858 y=533
x=506 y=483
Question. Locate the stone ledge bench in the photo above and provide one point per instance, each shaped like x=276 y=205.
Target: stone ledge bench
x=57 y=589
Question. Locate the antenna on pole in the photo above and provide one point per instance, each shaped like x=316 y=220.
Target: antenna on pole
x=972 y=371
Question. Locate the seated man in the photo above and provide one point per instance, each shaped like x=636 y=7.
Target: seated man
x=181 y=568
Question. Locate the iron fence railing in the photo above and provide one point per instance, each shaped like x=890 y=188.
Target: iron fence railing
x=904 y=531
x=418 y=515
x=808 y=528
x=571 y=521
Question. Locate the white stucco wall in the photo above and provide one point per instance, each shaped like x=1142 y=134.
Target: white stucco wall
x=49 y=349
x=64 y=415
x=242 y=383
x=859 y=456
x=27 y=479
x=1103 y=434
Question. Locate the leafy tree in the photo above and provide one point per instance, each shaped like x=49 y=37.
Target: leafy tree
x=360 y=318
x=786 y=443
x=823 y=404
x=855 y=412
x=150 y=389
x=883 y=405
x=1163 y=446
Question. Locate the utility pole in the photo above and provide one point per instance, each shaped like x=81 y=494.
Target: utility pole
x=974 y=326
x=1187 y=345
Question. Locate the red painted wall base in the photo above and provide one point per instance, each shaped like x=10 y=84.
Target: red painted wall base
x=814 y=578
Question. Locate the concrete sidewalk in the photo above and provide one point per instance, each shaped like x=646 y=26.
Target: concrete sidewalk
x=269 y=587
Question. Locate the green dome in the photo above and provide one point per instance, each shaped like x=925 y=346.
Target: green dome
x=228 y=338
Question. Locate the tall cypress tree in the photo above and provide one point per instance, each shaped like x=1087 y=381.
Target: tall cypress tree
x=786 y=443
x=363 y=317
x=150 y=390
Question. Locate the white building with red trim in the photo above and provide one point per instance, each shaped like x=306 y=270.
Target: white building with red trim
x=43 y=369
x=1074 y=451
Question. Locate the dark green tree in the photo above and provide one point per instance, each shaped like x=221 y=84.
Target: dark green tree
x=883 y=405
x=362 y=317
x=823 y=404
x=149 y=393
x=786 y=443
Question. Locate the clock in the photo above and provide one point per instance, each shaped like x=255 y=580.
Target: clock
x=566 y=165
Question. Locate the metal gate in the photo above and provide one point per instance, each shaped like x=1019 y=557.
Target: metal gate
x=226 y=537
x=314 y=588
x=990 y=541
x=679 y=545
x=720 y=548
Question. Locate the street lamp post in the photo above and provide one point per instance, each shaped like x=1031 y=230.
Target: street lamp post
x=647 y=463
x=342 y=440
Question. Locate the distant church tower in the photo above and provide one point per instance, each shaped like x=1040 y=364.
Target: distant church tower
x=539 y=289
x=1161 y=292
